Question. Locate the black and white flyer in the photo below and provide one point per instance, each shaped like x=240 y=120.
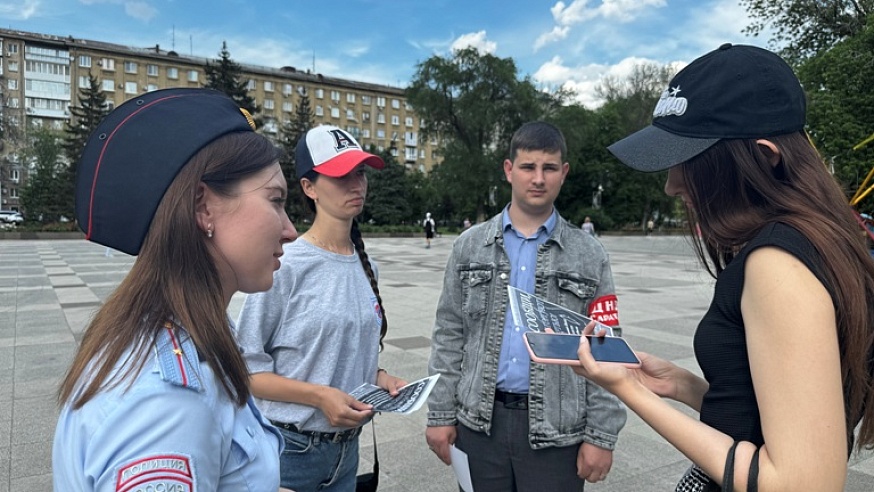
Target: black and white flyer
x=537 y=314
x=409 y=398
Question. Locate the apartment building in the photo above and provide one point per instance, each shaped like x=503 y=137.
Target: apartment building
x=41 y=74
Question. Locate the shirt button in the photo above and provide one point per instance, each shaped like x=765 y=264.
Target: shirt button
x=517 y=328
x=514 y=359
x=523 y=268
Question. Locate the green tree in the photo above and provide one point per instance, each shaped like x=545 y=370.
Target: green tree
x=42 y=197
x=473 y=102
x=841 y=105
x=226 y=75
x=84 y=119
x=806 y=27
x=629 y=197
x=387 y=193
x=290 y=133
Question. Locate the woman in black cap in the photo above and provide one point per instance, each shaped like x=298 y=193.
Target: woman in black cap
x=786 y=346
x=308 y=345
x=157 y=397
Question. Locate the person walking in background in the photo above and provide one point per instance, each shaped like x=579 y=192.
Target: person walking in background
x=157 y=396
x=316 y=335
x=466 y=224
x=650 y=225
x=587 y=226
x=521 y=424
x=430 y=228
x=786 y=346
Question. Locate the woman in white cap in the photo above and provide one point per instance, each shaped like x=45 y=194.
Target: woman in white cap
x=157 y=396
x=316 y=335
x=786 y=346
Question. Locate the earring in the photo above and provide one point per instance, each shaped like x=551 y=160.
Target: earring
x=209 y=231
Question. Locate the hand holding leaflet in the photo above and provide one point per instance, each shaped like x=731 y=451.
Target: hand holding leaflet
x=409 y=399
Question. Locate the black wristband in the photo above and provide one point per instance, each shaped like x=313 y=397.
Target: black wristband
x=728 y=473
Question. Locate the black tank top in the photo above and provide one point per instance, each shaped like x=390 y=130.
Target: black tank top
x=720 y=343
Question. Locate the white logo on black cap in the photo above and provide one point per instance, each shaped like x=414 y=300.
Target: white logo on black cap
x=670 y=104
x=342 y=141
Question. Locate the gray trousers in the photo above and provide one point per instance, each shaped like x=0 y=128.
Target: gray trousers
x=505 y=462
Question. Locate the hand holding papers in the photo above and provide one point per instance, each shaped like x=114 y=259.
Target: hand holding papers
x=409 y=398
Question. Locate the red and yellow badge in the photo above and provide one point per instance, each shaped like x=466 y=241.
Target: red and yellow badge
x=168 y=472
x=604 y=310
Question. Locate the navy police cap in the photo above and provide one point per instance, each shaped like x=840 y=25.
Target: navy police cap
x=135 y=153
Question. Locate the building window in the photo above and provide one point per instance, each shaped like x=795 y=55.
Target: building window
x=320 y=93
x=13 y=49
x=192 y=75
x=410 y=154
x=350 y=114
x=395 y=120
x=85 y=61
x=13 y=102
x=152 y=70
x=287 y=89
x=15 y=175
x=380 y=102
x=84 y=81
x=380 y=118
x=408 y=121
x=130 y=67
x=365 y=133
x=422 y=154
x=13 y=192
x=395 y=104
x=172 y=73
x=408 y=106
x=380 y=133
x=13 y=66
x=151 y=87
x=365 y=116
x=107 y=85
x=335 y=112
x=269 y=104
x=268 y=86
x=319 y=111
x=250 y=85
x=12 y=84
x=107 y=64
x=365 y=100
x=335 y=96
x=130 y=87
x=350 y=97
x=287 y=107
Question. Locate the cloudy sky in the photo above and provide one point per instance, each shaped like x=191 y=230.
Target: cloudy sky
x=568 y=43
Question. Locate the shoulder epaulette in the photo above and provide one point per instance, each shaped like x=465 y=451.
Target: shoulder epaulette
x=177 y=357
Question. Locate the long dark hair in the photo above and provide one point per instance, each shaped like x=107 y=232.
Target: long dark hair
x=736 y=191
x=174 y=277
x=358 y=241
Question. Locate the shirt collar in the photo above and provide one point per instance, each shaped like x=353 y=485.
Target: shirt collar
x=548 y=226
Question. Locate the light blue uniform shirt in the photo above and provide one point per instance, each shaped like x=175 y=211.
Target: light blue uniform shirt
x=173 y=429
x=522 y=252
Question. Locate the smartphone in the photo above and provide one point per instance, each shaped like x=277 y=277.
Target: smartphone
x=561 y=348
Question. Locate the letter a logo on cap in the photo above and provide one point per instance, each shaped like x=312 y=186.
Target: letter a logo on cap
x=342 y=141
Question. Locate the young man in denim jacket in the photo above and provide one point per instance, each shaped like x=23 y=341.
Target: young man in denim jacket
x=524 y=426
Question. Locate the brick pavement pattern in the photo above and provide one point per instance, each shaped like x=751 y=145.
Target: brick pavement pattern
x=50 y=288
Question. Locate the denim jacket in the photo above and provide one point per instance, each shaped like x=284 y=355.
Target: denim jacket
x=563 y=409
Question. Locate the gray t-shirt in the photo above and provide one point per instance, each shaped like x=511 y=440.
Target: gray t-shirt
x=319 y=323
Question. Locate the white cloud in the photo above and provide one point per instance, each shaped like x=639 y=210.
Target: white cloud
x=17 y=11
x=584 y=79
x=140 y=10
x=356 y=48
x=475 y=40
x=579 y=11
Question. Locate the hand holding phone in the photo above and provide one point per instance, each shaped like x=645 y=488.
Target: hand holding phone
x=561 y=348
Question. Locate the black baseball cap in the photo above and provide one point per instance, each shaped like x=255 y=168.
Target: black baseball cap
x=735 y=91
x=331 y=151
x=135 y=153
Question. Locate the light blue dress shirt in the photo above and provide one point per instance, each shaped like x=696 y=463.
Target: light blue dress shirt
x=174 y=429
x=522 y=252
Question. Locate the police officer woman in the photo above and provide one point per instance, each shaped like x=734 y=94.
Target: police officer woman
x=157 y=396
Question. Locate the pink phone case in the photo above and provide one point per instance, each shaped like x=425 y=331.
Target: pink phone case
x=570 y=362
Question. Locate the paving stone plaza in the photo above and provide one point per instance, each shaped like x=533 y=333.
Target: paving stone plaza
x=50 y=288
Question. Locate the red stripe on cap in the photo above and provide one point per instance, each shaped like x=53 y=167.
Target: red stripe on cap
x=103 y=151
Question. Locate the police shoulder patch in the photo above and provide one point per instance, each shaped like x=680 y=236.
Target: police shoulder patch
x=167 y=472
